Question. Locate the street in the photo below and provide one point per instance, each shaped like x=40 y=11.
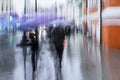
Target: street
x=82 y=60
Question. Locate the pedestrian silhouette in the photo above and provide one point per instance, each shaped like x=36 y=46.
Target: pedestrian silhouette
x=34 y=50
x=24 y=44
x=58 y=36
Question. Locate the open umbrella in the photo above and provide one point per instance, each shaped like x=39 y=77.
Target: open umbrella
x=43 y=19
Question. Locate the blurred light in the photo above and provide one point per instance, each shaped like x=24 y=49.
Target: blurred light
x=28 y=34
x=40 y=28
x=18 y=24
x=10 y=18
x=10 y=40
x=44 y=27
x=33 y=31
x=54 y=25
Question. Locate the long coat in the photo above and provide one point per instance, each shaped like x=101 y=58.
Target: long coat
x=58 y=37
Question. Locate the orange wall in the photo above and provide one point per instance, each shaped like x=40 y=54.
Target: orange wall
x=110 y=33
x=114 y=2
x=104 y=4
x=110 y=3
x=111 y=36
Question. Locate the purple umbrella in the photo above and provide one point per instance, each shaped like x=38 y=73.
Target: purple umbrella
x=43 y=19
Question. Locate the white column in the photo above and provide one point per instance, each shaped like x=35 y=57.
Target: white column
x=98 y=26
x=88 y=18
x=83 y=1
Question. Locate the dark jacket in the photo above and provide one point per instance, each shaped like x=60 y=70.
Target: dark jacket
x=58 y=35
x=34 y=42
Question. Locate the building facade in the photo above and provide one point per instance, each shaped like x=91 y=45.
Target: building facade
x=101 y=21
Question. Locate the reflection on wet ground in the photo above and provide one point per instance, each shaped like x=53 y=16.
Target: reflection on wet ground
x=83 y=59
x=111 y=64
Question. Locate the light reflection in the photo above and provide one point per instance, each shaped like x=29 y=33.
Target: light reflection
x=11 y=40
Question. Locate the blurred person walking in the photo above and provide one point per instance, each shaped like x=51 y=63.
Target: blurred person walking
x=58 y=36
x=34 y=50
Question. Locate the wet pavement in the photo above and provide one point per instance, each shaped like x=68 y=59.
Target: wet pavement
x=83 y=59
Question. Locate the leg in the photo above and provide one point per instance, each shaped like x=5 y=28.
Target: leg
x=59 y=50
x=33 y=61
x=36 y=59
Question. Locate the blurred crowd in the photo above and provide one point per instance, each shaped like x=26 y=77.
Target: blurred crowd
x=56 y=35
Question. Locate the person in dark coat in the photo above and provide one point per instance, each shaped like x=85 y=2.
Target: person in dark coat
x=34 y=49
x=24 y=39
x=58 y=37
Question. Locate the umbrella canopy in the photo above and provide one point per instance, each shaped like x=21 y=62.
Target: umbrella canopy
x=43 y=19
